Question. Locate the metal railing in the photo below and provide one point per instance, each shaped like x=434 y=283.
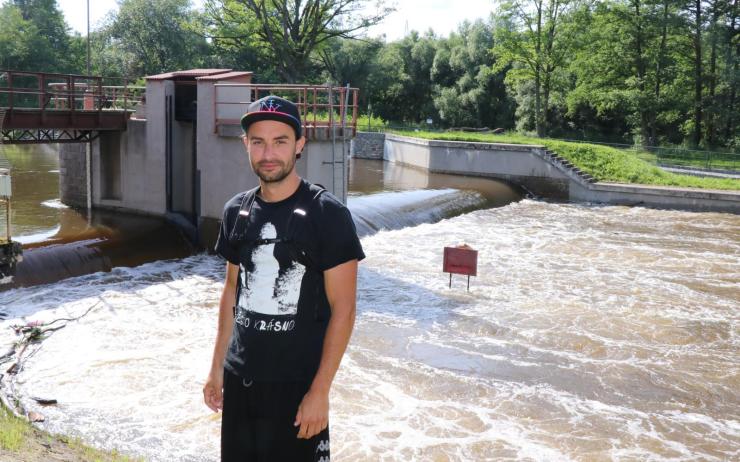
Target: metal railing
x=323 y=108
x=68 y=92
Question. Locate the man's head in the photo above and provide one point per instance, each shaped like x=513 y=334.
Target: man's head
x=273 y=108
x=272 y=132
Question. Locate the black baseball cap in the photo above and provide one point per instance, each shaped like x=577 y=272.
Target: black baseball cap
x=273 y=108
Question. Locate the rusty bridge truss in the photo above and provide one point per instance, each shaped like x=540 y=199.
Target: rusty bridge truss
x=62 y=108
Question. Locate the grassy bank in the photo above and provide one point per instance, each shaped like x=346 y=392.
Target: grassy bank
x=604 y=163
x=22 y=442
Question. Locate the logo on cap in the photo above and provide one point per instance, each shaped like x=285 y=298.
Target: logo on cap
x=270 y=106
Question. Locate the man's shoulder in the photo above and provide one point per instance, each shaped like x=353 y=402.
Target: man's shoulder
x=236 y=200
x=324 y=198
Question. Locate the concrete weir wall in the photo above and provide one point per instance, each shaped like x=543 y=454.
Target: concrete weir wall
x=518 y=164
x=537 y=170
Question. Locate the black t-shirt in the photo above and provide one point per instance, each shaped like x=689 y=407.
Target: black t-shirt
x=281 y=311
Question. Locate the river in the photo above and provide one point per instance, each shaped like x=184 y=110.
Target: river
x=591 y=333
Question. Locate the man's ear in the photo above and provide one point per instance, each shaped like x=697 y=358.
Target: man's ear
x=299 y=145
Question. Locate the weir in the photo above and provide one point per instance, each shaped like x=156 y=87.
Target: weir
x=382 y=196
x=595 y=321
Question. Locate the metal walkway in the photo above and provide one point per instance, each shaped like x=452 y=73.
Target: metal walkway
x=62 y=108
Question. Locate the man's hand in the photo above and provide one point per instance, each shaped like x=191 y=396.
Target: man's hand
x=213 y=391
x=313 y=414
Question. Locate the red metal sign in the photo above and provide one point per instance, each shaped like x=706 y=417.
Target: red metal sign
x=460 y=260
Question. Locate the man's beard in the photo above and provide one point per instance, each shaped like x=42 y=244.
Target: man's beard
x=275 y=176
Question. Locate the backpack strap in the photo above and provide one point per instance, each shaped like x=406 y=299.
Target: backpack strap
x=298 y=219
x=239 y=228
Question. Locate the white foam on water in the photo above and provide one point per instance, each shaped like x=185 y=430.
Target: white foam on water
x=37 y=236
x=55 y=204
x=398 y=209
x=590 y=333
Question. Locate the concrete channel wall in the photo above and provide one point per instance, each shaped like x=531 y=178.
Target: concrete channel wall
x=545 y=174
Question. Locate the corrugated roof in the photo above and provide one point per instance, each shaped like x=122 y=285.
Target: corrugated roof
x=225 y=76
x=187 y=73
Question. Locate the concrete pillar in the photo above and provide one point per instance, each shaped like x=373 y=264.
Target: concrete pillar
x=73 y=174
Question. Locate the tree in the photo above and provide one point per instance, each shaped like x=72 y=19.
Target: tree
x=353 y=62
x=146 y=37
x=400 y=88
x=17 y=37
x=468 y=92
x=290 y=32
x=695 y=20
x=630 y=60
x=528 y=33
x=34 y=37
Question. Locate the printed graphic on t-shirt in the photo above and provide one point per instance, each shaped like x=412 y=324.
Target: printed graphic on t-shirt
x=267 y=290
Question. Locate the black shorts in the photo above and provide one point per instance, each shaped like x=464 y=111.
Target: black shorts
x=257 y=423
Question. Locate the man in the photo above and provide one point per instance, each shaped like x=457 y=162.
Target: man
x=288 y=304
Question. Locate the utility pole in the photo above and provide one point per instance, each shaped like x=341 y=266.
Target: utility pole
x=88 y=37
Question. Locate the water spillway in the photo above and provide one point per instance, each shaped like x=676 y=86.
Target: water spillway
x=591 y=333
x=112 y=240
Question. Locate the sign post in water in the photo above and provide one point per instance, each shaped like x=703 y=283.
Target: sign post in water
x=461 y=259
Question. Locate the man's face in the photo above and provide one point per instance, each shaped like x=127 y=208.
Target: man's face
x=272 y=149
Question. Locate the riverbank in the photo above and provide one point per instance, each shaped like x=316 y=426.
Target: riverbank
x=22 y=442
x=603 y=163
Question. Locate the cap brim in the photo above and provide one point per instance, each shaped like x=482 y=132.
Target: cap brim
x=252 y=117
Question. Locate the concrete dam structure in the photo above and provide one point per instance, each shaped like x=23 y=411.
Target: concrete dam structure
x=182 y=157
x=541 y=172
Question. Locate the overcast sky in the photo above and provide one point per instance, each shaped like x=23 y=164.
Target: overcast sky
x=443 y=16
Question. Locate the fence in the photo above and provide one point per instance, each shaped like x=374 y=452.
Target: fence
x=323 y=108
x=49 y=91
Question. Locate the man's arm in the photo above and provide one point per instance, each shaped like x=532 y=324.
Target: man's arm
x=213 y=389
x=341 y=291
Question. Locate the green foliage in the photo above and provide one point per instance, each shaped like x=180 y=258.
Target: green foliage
x=652 y=72
x=34 y=37
x=470 y=92
x=13 y=431
x=289 y=33
x=367 y=122
x=145 y=38
x=604 y=163
x=529 y=37
x=351 y=62
x=400 y=88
